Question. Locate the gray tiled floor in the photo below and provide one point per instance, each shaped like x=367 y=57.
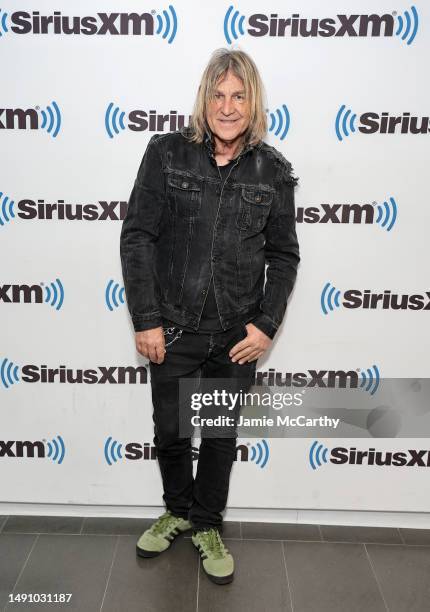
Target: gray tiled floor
x=289 y=567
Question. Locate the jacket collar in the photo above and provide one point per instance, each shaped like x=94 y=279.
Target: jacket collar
x=209 y=144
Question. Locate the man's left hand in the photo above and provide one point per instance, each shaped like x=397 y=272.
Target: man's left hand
x=252 y=347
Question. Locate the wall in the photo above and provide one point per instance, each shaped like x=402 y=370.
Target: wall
x=76 y=143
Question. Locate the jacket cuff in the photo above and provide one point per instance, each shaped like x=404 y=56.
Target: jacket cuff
x=265 y=324
x=144 y=324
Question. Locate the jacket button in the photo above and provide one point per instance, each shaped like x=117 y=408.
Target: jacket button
x=185 y=184
x=203 y=291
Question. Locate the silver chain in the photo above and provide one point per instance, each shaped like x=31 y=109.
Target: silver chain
x=170 y=330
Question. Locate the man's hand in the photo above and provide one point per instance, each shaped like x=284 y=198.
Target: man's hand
x=251 y=347
x=150 y=343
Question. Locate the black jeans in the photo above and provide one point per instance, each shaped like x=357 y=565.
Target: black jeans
x=198 y=355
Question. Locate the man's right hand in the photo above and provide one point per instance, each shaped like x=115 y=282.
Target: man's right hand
x=151 y=344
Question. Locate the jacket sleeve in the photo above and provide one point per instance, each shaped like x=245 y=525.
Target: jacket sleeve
x=139 y=233
x=281 y=252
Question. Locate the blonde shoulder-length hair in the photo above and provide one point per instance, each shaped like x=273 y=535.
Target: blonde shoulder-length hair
x=242 y=66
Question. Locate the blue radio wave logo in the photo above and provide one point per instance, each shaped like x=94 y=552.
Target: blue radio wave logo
x=169 y=22
x=408 y=25
x=9 y=373
x=280 y=121
x=317 y=455
x=233 y=24
x=54 y=294
x=387 y=214
x=370 y=379
x=56 y=449
x=51 y=119
x=112 y=450
x=114 y=295
x=330 y=298
x=344 y=121
x=114 y=120
x=6 y=209
x=260 y=453
x=3 y=24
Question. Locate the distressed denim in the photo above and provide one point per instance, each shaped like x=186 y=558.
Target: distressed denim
x=172 y=239
x=203 y=357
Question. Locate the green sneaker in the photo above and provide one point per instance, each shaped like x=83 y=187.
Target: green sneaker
x=217 y=561
x=160 y=535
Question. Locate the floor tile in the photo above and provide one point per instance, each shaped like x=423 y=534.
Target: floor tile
x=404 y=575
x=328 y=577
x=43 y=524
x=281 y=531
x=77 y=564
x=259 y=583
x=352 y=569
x=415 y=536
x=14 y=550
x=231 y=529
x=160 y=584
x=352 y=533
x=115 y=526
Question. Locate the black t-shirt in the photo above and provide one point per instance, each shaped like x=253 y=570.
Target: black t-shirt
x=210 y=321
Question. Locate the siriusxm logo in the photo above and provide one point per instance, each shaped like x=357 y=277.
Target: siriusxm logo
x=259 y=453
x=114 y=295
x=378 y=123
x=43 y=293
x=117 y=121
x=54 y=449
x=355 y=298
x=384 y=215
x=351 y=456
x=60 y=211
x=140 y=120
x=48 y=119
x=279 y=121
x=164 y=24
x=404 y=26
x=11 y=374
x=115 y=451
x=366 y=379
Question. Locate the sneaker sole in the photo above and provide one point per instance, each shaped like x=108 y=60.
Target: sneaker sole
x=148 y=553
x=219 y=579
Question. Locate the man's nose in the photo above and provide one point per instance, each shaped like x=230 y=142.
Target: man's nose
x=227 y=106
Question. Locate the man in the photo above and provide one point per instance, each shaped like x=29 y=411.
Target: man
x=211 y=205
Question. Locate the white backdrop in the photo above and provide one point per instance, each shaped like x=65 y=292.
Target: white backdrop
x=61 y=300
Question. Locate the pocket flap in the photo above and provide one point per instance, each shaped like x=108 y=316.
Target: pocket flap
x=185 y=183
x=257 y=196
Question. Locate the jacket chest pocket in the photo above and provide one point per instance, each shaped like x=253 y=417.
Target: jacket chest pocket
x=255 y=206
x=184 y=195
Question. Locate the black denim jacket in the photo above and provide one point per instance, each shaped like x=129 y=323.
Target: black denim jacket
x=180 y=225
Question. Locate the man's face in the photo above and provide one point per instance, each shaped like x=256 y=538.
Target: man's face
x=228 y=113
